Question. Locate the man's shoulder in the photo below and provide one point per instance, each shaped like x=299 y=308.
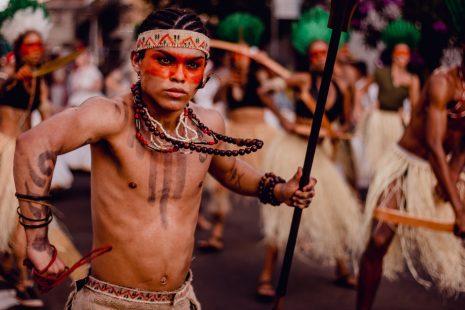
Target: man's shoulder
x=212 y=118
x=442 y=74
x=440 y=86
x=102 y=102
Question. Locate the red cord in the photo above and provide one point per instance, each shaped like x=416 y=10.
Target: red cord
x=46 y=283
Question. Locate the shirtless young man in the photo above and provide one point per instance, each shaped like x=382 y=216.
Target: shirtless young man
x=408 y=177
x=144 y=203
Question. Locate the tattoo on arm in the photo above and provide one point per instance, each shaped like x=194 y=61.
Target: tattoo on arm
x=203 y=157
x=236 y=177
x=40 y=243
x=45 y=162
x=37 y=212
x=36 y=179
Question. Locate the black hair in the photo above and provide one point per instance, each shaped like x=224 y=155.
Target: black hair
x=171 y=18
x=17 y=46
x=361 y=67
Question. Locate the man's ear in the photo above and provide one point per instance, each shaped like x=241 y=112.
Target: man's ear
x=135 y=61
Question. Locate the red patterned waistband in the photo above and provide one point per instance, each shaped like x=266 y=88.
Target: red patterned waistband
x=136 y=295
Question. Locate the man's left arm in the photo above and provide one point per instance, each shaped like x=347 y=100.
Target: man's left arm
x=243 y=179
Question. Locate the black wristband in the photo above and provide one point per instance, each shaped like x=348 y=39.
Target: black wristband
x=47 y=220
x=33 y=197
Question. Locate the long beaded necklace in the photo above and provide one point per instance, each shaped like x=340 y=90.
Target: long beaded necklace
x=454 y=114
x=189 y=141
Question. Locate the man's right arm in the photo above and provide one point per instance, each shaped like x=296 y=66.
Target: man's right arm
x=439 y=93
x=36 y=153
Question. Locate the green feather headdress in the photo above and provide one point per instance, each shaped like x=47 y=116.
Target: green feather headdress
x=23 y=15
x=4 y=46
x=241 y=27
x=312 y=26
x=401 y=31
x=457 y=12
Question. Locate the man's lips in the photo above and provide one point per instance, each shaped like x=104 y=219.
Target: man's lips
x=175 y=92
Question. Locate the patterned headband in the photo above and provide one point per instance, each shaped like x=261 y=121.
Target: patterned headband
x=173 y=38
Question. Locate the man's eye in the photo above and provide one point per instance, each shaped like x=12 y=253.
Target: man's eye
x=164 y=60
x=193 y=65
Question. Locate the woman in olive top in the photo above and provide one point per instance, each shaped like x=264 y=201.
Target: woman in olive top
x=385 y=124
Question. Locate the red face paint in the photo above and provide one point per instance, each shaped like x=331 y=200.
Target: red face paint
x=318 y=53
x=172 y=66
x=27 y=49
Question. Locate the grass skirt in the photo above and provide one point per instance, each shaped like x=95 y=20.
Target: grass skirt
x=382 y=130
x=429 y=255
x=329 y=227
x=8 y=202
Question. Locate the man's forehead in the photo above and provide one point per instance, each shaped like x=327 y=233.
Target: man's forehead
x=32 y=38
x=180 y=52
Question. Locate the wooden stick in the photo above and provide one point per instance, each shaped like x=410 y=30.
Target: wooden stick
x=339 y=20
x=56 y=64
x=399 y=217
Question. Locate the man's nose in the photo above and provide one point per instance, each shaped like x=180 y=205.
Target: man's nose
x=178 y=74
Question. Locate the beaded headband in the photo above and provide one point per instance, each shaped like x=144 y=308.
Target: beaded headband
x=173 y=38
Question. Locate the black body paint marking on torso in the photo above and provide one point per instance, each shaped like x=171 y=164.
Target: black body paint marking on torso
x=152 y=181
x=180 y=181
x=165 y=192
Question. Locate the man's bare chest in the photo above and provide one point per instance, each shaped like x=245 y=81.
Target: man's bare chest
x=156 y=176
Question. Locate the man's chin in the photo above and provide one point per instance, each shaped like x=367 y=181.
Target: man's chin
x=173 y=104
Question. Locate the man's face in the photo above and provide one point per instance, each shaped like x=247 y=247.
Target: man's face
x=317 y=53
x=401 y=55
x=171 y=76
x=32 y=49
x=343 y=54
x=241 y=62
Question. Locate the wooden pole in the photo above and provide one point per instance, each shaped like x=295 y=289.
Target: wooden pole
x=339 y=20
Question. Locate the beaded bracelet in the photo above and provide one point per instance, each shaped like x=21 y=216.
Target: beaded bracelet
x=266 y=188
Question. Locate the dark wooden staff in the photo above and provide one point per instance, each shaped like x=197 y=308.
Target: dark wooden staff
x=340 y=15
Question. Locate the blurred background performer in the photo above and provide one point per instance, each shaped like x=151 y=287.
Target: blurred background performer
x=240 y=79
x=385 y=124
x=25 y=25
x=329 y=228
x=420 y=177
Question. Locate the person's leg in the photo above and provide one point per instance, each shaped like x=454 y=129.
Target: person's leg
x=203 y=223
x=215 y=241
x=220 y=207
x=371 y=264
x=265 y=290
x=344 y=277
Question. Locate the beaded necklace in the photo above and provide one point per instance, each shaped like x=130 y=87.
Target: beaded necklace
x=454 y=114
x=190 y=141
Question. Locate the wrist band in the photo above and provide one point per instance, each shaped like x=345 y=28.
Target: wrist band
x=47 y=220
x=33 y=197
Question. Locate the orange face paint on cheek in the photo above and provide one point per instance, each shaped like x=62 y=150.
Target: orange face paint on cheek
x=177 y=67
x=194 y=76
x=27 y=49
x=156 y=69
